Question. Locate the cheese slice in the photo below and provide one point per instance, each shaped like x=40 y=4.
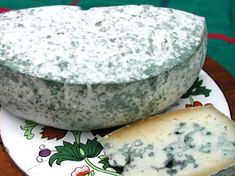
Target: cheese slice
x=77 y=69
x=195 y=141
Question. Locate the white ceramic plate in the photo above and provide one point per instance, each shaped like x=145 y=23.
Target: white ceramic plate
x=39 y=150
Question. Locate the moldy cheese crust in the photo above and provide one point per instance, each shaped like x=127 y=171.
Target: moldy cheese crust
x=88 y=69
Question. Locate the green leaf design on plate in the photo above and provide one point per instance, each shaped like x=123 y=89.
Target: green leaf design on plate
x=66 y=152
x=92 y=148
x=28 y=128
x=105 y=161
x=197 y=89
x=79 y=152
x=75 y=151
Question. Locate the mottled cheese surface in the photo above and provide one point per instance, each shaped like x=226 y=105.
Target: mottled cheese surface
x=99 y=45
x=193 y=142
x=103 y=67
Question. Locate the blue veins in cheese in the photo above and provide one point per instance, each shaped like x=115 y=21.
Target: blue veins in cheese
x=77 y=69
x=199 y=141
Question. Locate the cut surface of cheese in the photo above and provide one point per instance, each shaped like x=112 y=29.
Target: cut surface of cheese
x=194 y=141
x=77 y=69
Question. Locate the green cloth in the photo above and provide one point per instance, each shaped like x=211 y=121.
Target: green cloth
x=220 y=17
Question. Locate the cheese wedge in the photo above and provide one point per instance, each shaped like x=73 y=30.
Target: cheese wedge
x=191 y=142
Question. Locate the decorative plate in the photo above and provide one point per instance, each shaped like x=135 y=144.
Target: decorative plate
x=40 y=150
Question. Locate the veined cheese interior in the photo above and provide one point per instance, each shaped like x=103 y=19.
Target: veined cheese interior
x=192 y=142
x=99 y=45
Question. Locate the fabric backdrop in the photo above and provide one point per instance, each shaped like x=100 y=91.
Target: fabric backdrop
x=220 y=17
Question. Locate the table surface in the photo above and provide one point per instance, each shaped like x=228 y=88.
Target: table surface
x=224 y=79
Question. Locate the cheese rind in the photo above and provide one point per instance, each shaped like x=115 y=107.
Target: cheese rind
x=97 y=68
x=101 y=45
x=196 y=141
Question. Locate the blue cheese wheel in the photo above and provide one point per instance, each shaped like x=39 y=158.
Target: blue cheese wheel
x=86 y=69
x=190 y=142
